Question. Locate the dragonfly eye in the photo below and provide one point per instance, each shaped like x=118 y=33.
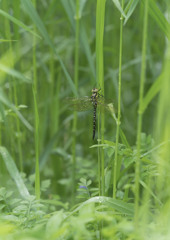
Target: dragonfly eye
x=95 y=90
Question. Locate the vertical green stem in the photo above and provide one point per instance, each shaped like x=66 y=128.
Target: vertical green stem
x=119 y=106
x=36 y=136
x=100 y=15
x=16 y=34
x=99 y=158
x=18 y=142
x=76 y=74
x=140 y=113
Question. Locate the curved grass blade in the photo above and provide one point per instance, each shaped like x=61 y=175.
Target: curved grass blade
x=16 y=21
x=14 y=173
x=158 y=16
x=31 y=11
x=83 y=36
x=6 y=40
x=152 y=92
x=117 y=4
x=5 y=101
x=118 y=205
x=14 y=73
x=130 y=9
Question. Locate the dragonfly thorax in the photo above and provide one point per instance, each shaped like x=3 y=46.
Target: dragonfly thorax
x=95 y=93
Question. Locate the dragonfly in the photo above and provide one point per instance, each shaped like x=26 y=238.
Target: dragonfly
x=88 y=103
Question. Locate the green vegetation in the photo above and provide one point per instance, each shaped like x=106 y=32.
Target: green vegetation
x=55 y=181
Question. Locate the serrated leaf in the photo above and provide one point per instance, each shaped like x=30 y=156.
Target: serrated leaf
x=8 y=194
x=83 y=180
x=88 y=182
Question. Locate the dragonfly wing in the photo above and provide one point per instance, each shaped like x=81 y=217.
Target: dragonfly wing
x=104 y=104
x=80 y=104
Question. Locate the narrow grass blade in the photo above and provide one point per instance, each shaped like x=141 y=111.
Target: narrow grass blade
x=5 y=101
x=124 y=139
x=117 y=4
x=158 y=16
x=152 y=92
x=83 y=36
x=31 y=11
x=130 y=9
x=151 y=192
x=47 y=151
x=14 y=173
x=6 y=40
x=16 y=21
x=118 y=205
x=13 y=73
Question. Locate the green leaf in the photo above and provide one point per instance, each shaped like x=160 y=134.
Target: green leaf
x=16 y=21
x=14 y=173
x=83 y=180
x=117 y=4
x=120 y=206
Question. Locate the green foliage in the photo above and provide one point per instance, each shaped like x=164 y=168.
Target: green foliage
x=55 y=182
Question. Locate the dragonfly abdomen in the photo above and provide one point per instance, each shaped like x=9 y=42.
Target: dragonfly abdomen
x=94 y=121
x=94 y=102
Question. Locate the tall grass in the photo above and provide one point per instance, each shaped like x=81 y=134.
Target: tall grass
x=100 y=16
x=51 y=50
x=140 y=114
x=119 y=105
x=76 y=76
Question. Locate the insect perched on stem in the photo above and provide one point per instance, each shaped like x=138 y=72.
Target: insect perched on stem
x=90 y=102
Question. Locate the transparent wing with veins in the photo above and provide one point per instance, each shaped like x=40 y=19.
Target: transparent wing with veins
x=85 y=103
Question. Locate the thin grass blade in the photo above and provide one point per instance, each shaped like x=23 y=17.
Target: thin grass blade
x=130 y=9
x=16 y=21
x=31 y=11
x=14 y=173
x=5 y=101
x=117 y=4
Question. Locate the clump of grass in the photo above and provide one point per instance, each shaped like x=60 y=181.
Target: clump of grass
x=117 y=188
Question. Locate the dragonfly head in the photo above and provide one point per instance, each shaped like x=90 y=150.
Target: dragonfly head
x=95 y=90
